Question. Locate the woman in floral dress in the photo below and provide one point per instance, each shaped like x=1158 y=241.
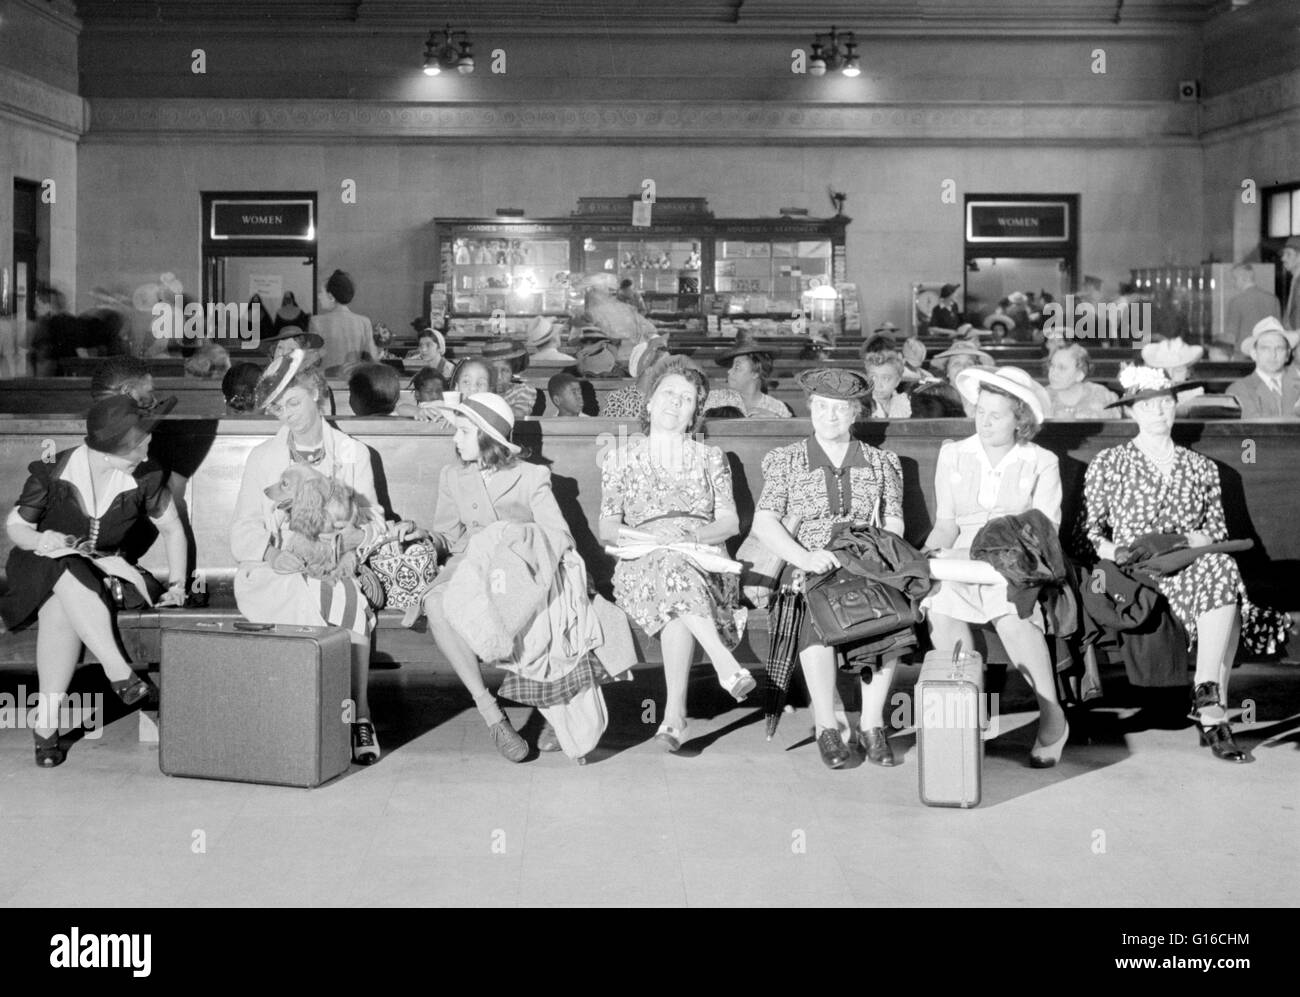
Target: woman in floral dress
x=666 y=488
x=1151 y=485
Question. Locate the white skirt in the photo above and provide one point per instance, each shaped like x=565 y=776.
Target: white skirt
x=974 y=603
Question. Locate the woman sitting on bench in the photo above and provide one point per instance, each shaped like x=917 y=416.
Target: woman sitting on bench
x=88 y=500
x=997 y=472
x=265 y=591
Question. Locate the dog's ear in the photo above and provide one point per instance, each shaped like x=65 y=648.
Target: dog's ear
x=307 y=513
x=340 y=506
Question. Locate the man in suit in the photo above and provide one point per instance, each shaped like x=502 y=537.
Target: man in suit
x=1273 y=390
x=1249 y=306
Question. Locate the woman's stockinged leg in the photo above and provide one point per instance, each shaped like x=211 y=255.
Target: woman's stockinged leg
x=678 y=649
x=1027 y=648
x=875 y=695
x=456 y=650
x=57 y=649
x=90 y=620
x=947 y=633
x=719 y=655
x=1217 y=634
x=818 y=663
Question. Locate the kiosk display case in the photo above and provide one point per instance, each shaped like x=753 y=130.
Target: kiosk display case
x=495 y=274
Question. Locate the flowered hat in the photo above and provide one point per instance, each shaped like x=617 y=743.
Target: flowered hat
x=1140 y=383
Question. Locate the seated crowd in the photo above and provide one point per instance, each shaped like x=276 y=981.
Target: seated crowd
x=667 y=512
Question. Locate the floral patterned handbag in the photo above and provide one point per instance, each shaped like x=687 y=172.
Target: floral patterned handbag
x=405 y=569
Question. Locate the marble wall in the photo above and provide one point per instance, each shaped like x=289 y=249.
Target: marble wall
x=140 y=205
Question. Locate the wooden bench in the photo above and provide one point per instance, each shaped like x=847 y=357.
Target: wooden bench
x=1259 y=465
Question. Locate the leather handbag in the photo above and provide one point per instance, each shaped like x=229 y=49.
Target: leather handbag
x=846 y=607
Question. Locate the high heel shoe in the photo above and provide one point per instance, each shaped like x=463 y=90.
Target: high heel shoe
x=1045 y=756
x=1219 y=740
x=131 y=691
x=740 y=684
x=49 y=753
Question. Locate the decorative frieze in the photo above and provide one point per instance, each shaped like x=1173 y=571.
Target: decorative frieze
x=729 y=123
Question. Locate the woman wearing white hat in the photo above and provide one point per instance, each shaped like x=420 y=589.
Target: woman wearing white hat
x=997 y=472
x=489 y=485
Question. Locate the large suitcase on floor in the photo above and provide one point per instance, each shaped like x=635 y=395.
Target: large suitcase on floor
x=253 y=702
x=949 y=703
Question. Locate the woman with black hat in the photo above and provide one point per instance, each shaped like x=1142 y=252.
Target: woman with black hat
x=1152 y=486
x=805 y=493
x=946 y=315
x=269 y=587
x=749 y=371
x=507 y=360
x=87 y=500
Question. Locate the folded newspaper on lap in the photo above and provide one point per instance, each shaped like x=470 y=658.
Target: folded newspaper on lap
x=706 y=557
x=113 y=565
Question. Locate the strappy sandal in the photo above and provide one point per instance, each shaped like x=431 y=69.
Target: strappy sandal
x=740 y=684
x=670 y=737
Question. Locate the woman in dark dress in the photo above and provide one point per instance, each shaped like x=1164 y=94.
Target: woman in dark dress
x=1150 y=485
x=87 y=498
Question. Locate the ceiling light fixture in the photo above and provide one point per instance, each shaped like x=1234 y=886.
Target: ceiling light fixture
x=834 y=51
x=447 y=49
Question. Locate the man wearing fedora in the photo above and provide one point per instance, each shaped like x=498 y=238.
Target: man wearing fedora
x=1272 y=390
x=946 y=314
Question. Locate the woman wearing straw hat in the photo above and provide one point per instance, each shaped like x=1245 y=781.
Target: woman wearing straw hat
x=997 y=472
x=269 y=588
x=806 y=483
x=749 y=371
x=490 y=485
x=629 y=402
x=1151 y=485
x=666 y=488
x=88 y=499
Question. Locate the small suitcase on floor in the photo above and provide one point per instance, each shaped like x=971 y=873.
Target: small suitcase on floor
x=949 y=702
x=256 y=702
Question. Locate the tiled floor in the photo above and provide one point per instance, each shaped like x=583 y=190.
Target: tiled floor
x=1134 y=818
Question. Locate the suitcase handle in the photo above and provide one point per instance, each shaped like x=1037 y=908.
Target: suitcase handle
x=256 y=627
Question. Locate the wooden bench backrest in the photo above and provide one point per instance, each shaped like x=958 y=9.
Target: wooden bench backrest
x=1259 y=467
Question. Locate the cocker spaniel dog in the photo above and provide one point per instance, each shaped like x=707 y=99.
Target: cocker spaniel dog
x=324 y=520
